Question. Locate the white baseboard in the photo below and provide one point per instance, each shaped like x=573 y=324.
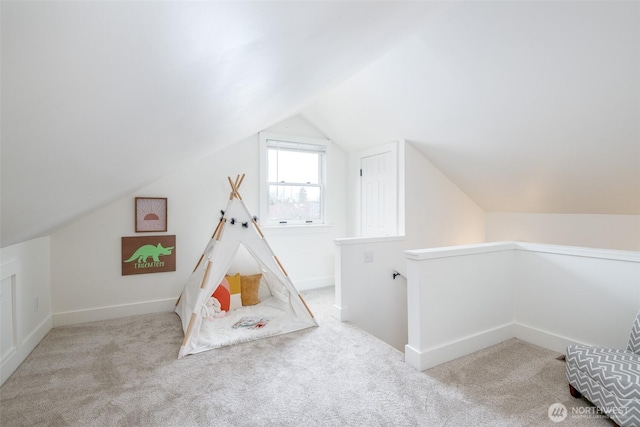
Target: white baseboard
x=321 y=282
x=413 y=357
x=542 y=338
x=124 y=310
x=113 y=312
x=11 y=363
x=340 y=313
x=425 y=359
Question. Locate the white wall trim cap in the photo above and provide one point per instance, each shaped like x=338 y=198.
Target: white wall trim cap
x=454 y=251
x=618 y=255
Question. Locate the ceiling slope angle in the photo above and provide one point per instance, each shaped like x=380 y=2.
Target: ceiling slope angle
x=101 y=98
x=526 y=106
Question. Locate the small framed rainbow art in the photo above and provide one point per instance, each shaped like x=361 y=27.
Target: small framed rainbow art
x=151 y=214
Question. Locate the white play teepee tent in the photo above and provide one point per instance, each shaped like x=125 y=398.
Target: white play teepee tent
x=282 y=308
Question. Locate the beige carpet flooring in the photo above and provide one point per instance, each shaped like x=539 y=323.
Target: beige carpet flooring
x=124 y=372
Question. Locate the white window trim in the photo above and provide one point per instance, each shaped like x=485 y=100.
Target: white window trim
x=264 y=179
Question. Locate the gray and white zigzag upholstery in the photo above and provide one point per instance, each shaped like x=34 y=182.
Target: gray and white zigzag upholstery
x=634 y=337
x=609 y=378
x=616 y=370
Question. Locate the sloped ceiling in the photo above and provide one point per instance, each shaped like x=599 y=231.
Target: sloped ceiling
x=102 y=98
x=526 y=106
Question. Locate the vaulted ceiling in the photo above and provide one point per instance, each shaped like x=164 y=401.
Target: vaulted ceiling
x=102 y=98
x=526 y=106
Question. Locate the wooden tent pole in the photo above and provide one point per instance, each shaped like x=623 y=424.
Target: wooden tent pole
x=198 y=264
x=217 y=226
x=306 y=306
x=257 y=227
x=235 y=186
x=194 y=316
x=213 y=236
x=280 y=265
x=233 y=189
x=206 y=275
x=239 y=183
x=192 y=323
x=220 y=230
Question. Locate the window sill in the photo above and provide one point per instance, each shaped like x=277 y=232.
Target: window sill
x=273 y=230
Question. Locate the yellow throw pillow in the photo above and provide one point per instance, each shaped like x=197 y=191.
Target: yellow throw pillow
x=234 y=283
x=250 y=286
x=235 y=300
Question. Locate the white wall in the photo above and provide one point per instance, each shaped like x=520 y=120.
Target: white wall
x=460 y=300
x=85 y=256
x=463 y=299
x=25 y=301
x=438 y=213
x=566 y=295
x=366 y=292
x=595 y=231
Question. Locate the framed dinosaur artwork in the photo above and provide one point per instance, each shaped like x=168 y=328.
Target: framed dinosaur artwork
x=148 y=254
x=151 y=214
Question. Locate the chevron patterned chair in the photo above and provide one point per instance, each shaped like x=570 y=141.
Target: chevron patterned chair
x=608 y=378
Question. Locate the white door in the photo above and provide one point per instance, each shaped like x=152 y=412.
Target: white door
x=378 y=189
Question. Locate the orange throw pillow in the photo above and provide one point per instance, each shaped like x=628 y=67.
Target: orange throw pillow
x=222 y=295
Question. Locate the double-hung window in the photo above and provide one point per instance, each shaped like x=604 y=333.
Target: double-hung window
x=293 y=179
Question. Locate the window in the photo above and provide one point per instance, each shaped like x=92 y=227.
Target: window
x=293 y=179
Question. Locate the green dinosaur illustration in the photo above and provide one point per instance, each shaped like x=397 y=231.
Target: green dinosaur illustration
x=146 y=251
